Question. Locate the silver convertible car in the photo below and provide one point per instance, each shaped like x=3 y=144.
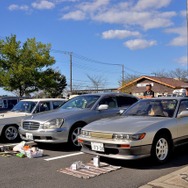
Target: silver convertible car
x=151 y=127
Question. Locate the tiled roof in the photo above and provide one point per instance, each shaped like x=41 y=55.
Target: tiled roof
x=169 y=82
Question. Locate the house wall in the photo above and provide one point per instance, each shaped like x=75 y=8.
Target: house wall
x=139 y=88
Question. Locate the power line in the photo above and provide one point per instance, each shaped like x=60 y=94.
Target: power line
x=104 y=63
x=96 y=61
x=93 y=61
x=85 y=67
x=93 y=69
x=86 y=81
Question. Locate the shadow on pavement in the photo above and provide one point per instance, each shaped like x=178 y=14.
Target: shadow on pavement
x=13 y=142
x=178 y=159
x=57 y=147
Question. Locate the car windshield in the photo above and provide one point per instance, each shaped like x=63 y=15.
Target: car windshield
x=155 y=108
x=81 y=102
x=24 y=106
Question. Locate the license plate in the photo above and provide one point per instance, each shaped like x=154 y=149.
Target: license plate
x=29 y=136
x=97 y=146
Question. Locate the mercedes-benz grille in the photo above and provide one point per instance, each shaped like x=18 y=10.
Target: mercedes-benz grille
x=29 y=125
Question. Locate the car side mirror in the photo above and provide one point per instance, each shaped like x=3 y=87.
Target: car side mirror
x=183 y=114
x=102 y=107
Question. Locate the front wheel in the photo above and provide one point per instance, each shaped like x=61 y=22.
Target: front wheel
x=73 y=136
x=161 y=149
x=10 y=133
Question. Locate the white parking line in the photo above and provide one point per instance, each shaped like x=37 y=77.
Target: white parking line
x=64 y=156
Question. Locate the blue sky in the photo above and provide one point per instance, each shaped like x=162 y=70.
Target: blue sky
x=144 y=35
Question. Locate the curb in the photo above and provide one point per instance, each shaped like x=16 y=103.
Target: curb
x=175 y=179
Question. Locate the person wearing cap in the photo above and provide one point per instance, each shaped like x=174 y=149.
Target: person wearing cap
x=148 y=93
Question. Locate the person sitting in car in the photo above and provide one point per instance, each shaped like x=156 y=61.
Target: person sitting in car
x=157 y=110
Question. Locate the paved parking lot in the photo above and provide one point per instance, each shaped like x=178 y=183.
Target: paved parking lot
x=42 y=172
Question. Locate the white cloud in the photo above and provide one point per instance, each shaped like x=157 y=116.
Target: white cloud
x=85 y=8
x=13 y=7
x=145 y=19
x=124 y=5
x=92 y=6
x=181 y=39
x=120 y=34
x=148 y=4
x=62 y=1
x=183 y=13
x=125 y=13
x=43 y=4
x=137 y=44
x=182 y=60
x=178 y=41
x=75 y=15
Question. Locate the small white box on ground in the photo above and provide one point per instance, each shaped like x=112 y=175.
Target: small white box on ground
x=96 y=161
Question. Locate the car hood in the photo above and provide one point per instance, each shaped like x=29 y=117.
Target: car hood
x=13 y=114
x=59 y=113
x=124 y=124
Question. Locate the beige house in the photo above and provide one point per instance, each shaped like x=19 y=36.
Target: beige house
x=160 y=85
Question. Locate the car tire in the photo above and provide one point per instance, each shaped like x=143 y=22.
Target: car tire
x=73 y=136
x=161 y=149
x=10 y=133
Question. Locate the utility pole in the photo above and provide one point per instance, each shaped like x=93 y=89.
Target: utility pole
x=70 y=59
x=70 y=72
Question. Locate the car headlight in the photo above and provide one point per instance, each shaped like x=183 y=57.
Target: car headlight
x=53 y=124
x=139 y=136
x=133 y=137
x=85 y=133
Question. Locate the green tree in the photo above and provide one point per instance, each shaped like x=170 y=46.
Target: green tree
x=22 y=66
x=53 y=83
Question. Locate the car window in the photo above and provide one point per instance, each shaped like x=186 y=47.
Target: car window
x=42 y=107
x=1 y=104
x=161 y=108
x=5 y=104
x=125 y=101
x=24 y=106
x=110 y=101
x=183 y=106
x=81 y=102
x=57 y=104
x=12 y=103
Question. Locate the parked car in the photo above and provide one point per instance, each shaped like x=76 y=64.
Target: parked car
x=151 y=127
x=10 y=121
x=64 y=124
x=7 y=103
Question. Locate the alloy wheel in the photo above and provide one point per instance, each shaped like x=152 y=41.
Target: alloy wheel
x=74 y=136
x=162 y=149
x=11 y=133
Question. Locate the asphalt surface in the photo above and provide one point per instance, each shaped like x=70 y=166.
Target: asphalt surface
x=42 y=172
